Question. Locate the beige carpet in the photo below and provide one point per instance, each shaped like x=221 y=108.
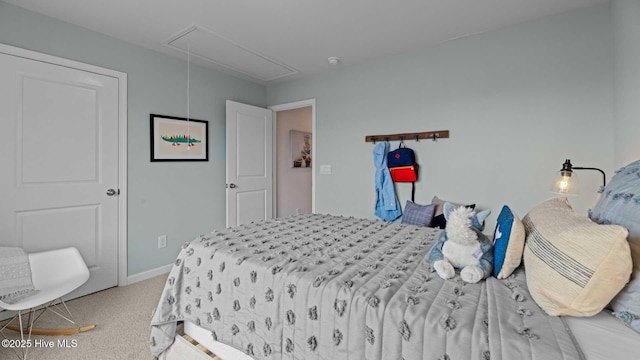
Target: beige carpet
x=122 y=315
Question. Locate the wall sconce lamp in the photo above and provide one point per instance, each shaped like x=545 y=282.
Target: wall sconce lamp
x=566 y=182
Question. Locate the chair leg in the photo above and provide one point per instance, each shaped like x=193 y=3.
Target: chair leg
x=20 y=322
x=30 y=320
x=52 y=307
x=23 y=349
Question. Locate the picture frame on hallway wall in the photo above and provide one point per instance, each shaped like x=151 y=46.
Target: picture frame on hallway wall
x=178 y=139
x=300 y=149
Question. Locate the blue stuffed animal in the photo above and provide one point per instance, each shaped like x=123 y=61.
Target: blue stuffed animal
x=462 y=245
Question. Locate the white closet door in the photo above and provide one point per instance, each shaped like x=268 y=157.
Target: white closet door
x=59 y=158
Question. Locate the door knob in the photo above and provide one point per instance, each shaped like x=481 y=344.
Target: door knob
x=112 y=192
x=232 y=186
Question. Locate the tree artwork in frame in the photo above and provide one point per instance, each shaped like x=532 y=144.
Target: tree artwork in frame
x=178 y=139
x=300 y=150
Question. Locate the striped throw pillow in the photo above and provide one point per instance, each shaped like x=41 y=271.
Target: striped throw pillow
x=573 y=265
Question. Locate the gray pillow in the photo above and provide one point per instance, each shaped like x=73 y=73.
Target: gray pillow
x=620 y=204
x=419 y=215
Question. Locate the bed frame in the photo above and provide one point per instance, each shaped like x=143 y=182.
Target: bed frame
x=601 y=337
x=186 y=347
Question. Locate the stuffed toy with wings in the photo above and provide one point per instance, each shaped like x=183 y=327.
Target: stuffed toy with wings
x=462 y=245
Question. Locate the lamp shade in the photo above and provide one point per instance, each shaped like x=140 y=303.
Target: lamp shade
x=566 y=180
x=565 y=183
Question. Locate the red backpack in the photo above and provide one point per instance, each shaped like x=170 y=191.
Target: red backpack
x=402 y=166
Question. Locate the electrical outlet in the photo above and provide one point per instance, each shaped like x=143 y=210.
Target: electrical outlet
x=162 y=241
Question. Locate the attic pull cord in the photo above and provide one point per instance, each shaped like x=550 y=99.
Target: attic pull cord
x=188 y=87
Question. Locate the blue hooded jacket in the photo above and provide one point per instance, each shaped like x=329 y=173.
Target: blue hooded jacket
x=387 y=204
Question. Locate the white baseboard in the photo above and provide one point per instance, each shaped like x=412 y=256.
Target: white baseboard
x=131 y=279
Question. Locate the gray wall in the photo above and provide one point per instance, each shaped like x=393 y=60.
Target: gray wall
x=518 y=102
x=180 y=200
x=626 y=29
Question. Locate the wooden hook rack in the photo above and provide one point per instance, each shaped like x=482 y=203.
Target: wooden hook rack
x=432 y=135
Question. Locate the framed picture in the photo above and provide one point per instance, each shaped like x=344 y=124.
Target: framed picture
x=300 y=150
x=179 y=139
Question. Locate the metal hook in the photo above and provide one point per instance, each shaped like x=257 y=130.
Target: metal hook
x=402 y=140
x=435 y=136
x=386 y=139
x=417 y=137
x=373 y=138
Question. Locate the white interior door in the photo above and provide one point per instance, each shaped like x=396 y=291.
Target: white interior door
x=249 y=163
x=59 y=157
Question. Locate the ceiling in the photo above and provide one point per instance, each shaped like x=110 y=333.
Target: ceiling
x=270 y=41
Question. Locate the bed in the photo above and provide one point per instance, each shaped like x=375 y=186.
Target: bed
x=331 y=287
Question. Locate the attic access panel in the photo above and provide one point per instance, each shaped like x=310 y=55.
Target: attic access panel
x=209 y=46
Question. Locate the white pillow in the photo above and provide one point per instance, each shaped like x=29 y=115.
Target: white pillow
x=573 y=265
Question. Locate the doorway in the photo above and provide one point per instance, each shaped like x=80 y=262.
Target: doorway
x=294 y=158
x=293 y=162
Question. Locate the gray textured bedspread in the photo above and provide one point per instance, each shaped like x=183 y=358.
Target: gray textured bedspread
x=329 y=287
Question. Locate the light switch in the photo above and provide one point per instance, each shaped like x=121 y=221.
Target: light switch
x=325 y=169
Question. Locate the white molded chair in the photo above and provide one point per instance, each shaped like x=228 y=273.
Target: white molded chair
x=54 y=273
